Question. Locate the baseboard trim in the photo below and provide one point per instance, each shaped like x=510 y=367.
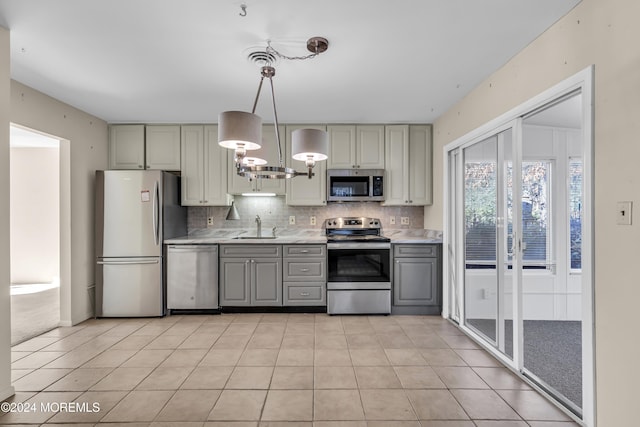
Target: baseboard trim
x=7 y=393
x=65 y=323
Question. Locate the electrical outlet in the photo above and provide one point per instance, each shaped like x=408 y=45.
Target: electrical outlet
x=312 y=220
x=392 y=220
x=404 y=220
x=292 y=220
x=210 y=220
x=624 y=213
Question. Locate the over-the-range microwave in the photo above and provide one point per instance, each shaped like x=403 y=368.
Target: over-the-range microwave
x=355 y=185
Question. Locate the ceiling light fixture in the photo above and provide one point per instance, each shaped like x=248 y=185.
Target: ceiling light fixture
x=242 y=131
x=259 y=194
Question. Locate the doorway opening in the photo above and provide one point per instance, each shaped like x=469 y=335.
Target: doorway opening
x=37 y=223
x=518 y=233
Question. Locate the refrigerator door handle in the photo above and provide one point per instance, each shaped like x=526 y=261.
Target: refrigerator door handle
x=152 y=261
x=156 y=213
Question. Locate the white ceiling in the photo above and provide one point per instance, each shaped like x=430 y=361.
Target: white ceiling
x=160 y=61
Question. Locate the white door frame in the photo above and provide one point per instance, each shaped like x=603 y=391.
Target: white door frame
x=582 y=81
x=64 y=152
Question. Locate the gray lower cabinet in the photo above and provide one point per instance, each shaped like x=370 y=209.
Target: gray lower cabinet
x=417 y=278
x=304 y=275
x=250 y=275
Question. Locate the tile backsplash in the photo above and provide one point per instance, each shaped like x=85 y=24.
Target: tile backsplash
x=274 y=212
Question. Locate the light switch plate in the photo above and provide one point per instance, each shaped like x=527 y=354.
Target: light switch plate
x=623 y=216
x=292 y=220
x=404 y=220
x=392 y=220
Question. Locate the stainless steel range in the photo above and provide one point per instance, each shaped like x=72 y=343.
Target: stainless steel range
x=359 y=265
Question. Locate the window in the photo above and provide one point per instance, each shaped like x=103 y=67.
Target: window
x=575 y=212
x=536 y=177
x=480 y=214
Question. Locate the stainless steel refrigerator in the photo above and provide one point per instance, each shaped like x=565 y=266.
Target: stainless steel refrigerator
x=135 y=212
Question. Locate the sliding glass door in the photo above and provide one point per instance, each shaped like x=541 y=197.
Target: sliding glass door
x=517 y=236
x=488 y=238
x=552 y=183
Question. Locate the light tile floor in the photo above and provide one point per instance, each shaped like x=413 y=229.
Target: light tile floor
x=293 y=370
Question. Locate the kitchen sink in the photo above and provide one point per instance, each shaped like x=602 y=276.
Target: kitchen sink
x=254 y=237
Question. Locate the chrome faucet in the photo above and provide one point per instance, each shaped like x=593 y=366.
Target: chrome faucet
x=259 y=223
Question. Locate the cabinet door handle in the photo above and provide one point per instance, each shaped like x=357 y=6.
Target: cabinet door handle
x=304 y=270
x=139 y=166
x=304 y=251
x=304 y=294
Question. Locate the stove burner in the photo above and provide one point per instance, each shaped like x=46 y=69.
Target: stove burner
x=354 y=229
x=331 y=238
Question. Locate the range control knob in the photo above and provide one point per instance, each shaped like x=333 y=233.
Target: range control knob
x=376 y=223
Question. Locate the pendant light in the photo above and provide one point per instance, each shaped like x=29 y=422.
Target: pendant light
x=232 y=214
x=242 y=131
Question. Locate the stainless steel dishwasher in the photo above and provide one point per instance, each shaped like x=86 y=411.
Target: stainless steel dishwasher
x=192 y=277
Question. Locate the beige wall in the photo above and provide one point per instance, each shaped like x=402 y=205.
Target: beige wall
x=6 y=389
x=604 y=33
x=35 y=214
x=85 y=152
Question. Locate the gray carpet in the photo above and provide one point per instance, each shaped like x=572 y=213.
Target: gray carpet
x=552 y=352
x=34 y=314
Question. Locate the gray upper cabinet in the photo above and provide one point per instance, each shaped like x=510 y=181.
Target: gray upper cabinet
x=356 y=147
x=162 y=145
x=126 y=147
x=302 y=191
x=154 y=147
x=408 y=159
x=204 y=167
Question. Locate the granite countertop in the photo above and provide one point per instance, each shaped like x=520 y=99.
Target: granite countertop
x=294 y=236
x=227 y=236
x=414 y=236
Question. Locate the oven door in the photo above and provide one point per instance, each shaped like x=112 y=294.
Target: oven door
x=358 y=278
x=360 y=265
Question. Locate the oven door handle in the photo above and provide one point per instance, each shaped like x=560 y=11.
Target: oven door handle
x=359 y=245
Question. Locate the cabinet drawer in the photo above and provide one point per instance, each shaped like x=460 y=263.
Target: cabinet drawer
x=304 y=293
x=304 y=250
x=250 y=251
x=304 y=269
x=415 y=250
